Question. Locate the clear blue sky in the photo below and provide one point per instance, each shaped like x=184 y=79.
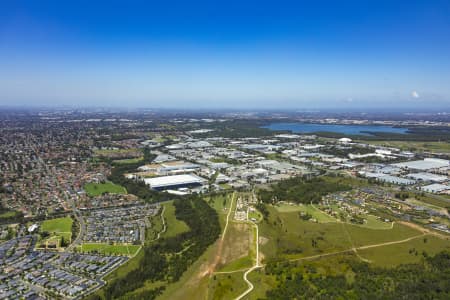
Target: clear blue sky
x=233 y=54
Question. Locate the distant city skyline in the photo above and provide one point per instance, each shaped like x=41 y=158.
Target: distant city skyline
x=258 y=54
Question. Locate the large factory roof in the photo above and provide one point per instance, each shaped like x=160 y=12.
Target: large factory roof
x=427 y=177
x=174 y=180
x=426 y=164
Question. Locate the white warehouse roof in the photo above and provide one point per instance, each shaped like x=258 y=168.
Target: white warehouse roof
x=345 y=140
x=426 y=164
x=435 y=188
x=167 y=181
x=427 y=177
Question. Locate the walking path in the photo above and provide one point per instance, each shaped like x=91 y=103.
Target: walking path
x=353 y=249
x=164 y=225
x=256 y=266
x=228 y=216
x=358 y=248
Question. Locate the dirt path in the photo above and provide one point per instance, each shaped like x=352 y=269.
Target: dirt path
x=231 y=272
x=164 y=226
x=228 y=216
x=354 y=249
x=256 y=266
x=391 y=243
x=359 y=248
x=424 y=230
x=210 y=269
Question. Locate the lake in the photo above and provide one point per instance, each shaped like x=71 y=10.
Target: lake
x=336 y=128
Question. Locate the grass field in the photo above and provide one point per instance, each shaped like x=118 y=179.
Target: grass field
x=8 y=214
x=117 y=152
x=374 y=223
x=238 y=264
x=361 y=236
x=322 y=217
x=174 y=226
x=108 y=249
x=261 y=283
x=286 y=234
x=392 y=255
x=226 y=286
x=96 y=189
x=58 y=228
x=316 y=213
x=59 y=225
x=128 y=161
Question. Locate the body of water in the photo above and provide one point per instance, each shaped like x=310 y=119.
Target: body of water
x=343 y=129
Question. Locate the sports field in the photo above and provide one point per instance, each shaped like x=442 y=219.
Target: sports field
x=58 y=228
x=59 y=225
x=96 y=189
x=128 y=161
x=108 y=249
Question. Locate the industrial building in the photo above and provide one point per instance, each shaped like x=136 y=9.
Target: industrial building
x=174 y=182
x=388 y=178
x=395 y=180
x=424 y=165
x=435 y=188
x=170 y=168
x=422 y=176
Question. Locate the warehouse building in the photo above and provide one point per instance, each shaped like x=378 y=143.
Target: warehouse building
x=435 y=188
x=170 y=168
x=422 y=176
x=424 y=165
x=395 y=180
x=388 y=178
x=174 y=182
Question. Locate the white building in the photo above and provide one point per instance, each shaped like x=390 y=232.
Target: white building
x=174 y=182
x=435 y=188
